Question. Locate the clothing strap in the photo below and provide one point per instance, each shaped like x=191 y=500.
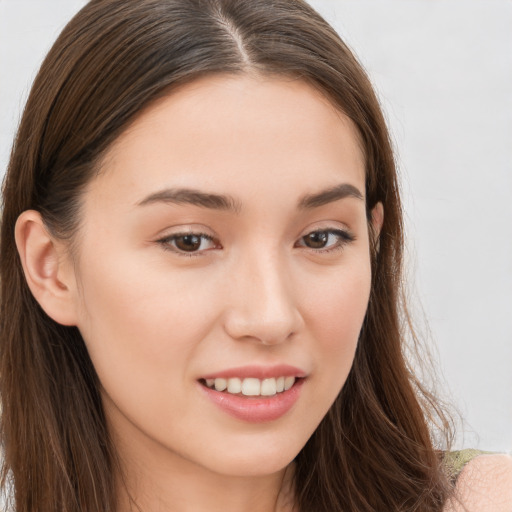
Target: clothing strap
x=456 y=461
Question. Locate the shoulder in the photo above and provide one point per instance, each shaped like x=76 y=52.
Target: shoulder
x=484 y=485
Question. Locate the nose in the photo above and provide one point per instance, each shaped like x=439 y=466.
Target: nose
x=261 y=304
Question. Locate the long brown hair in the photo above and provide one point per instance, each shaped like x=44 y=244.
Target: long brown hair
x=373 y=451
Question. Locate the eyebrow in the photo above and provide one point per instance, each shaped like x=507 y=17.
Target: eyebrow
x=193 y=197
x=227 y=203
x=329 y=196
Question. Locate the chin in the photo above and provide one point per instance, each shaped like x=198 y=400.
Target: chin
x=252 y=463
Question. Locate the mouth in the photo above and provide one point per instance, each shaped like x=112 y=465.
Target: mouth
x=251 y=386
x=255 y=394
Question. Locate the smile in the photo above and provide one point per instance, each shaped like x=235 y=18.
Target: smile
x=251 y=386
x=254 y=394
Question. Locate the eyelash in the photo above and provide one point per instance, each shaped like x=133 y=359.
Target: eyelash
x=344 y=238
x=166 y=243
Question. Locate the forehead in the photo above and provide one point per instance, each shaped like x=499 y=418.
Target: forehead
x=241 y=132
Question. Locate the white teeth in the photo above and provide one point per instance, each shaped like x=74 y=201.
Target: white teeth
x=234 y=386
x=220 y=384
x=268 y=387
x=252 y=386
x=288 y=383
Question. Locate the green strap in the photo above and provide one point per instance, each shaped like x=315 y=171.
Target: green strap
x=456 y=460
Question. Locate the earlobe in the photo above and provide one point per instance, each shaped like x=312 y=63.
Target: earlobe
x=47 y=269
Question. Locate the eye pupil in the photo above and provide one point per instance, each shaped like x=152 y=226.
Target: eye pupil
x=316 y=240
x=188 y=242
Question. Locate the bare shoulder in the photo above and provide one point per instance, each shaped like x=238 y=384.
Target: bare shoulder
x=484 y=485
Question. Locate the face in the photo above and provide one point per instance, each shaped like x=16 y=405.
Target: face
x=225 y=243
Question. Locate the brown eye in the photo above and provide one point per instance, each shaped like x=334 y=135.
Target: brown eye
x=316 y=240
x=188 y=243
x=326 y=240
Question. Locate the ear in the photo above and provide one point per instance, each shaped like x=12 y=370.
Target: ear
x=377 y=218
x=377 y=221
x=48 y=268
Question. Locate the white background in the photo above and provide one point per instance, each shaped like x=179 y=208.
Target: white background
x=443 y=71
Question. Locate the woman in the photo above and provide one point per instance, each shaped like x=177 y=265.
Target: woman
x=201 y=300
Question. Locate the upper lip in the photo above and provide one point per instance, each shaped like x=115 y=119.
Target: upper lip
x=257 y=372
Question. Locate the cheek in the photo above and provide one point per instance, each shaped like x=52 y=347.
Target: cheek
x=335 y=314
x=141 y=318
x=142 y=333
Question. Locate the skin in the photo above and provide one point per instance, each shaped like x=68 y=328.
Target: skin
x=250 y=297
x=484 y=485
x=156 y=319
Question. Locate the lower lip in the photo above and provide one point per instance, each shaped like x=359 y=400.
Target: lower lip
x=255 y=410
